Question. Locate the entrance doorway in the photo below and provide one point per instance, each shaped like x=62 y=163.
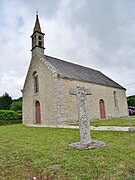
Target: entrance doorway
x=37 y=112
x=102 y=109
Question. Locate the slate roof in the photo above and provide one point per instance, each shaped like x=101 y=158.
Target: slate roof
x=81 y=73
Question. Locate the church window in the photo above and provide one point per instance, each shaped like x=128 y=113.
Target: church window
x=34 y=41
x=115 y=99
x=40 y=43
x=36 y=83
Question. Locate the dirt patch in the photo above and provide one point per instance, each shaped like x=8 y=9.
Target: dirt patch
x=55 y=167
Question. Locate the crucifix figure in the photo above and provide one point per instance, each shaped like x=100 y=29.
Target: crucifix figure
x=84 y=122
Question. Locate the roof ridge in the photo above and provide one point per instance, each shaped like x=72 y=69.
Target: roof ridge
x=72 y=63
x=79 y=72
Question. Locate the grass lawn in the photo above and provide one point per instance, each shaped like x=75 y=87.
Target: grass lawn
x=114 y=122
x=27 y=152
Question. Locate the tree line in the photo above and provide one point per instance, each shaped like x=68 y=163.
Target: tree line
x=7 y=103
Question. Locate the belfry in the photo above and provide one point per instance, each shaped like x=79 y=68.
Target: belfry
x=37 y=38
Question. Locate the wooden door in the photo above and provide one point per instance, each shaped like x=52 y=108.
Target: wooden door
x=37 y=112
x=102 y=109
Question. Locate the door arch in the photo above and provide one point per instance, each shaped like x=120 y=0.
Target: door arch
x=37 y=112
x=102 y=109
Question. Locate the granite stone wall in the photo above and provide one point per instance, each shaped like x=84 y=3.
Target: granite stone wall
x=58 y=107
x=98 y=92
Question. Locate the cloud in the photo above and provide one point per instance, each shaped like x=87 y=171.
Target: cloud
x=97 y=34
x=47 y=9
x=107 y=28
x=13 y=51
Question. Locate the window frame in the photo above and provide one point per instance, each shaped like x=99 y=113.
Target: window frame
x=35 y=82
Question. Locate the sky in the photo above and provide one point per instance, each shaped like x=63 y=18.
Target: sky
x=99 y=34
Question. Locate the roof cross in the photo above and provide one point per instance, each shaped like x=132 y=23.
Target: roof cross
x=37 y=12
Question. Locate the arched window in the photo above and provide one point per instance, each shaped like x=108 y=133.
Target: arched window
x=35 y=82
x=40 y=41
x=115 y=99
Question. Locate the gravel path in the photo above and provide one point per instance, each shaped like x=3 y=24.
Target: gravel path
x=102 y=128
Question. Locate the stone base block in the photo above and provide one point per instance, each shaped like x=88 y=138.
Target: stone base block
x=132 y=129
x=94 y=144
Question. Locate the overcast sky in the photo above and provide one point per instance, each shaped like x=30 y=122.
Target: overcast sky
x=99 y=34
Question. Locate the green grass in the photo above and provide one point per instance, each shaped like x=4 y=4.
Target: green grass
x=132 y=117
x=42 y=152
x=114 y=122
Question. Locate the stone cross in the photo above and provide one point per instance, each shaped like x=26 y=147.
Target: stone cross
x=84 y=123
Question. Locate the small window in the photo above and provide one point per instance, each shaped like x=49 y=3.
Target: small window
x=40 y=43
x=39 y=37
x=36 y=83
x=115 y=99
x=33 y=42
x=35 y=37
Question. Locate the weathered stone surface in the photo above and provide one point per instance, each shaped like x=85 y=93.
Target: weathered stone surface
x=132 y=129
x=50 y=89
x=92 y=145
x=84 y=123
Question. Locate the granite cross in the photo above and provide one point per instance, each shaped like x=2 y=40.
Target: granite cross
x=84 y=124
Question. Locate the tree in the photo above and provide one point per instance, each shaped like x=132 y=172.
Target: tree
x=16 y=106
x=131 y=100
x=5 y=101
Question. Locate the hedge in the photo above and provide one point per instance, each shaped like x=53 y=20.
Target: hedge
x=8 y=122
x=10 y=117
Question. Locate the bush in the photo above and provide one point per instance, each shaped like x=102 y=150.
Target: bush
x=7 y=122
x=20 y=113
x=9 y=117
x=131 y=112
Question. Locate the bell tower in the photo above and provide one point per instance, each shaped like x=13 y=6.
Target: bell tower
x=37 y=39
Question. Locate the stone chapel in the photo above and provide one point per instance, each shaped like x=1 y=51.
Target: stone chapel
x=46 y=97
